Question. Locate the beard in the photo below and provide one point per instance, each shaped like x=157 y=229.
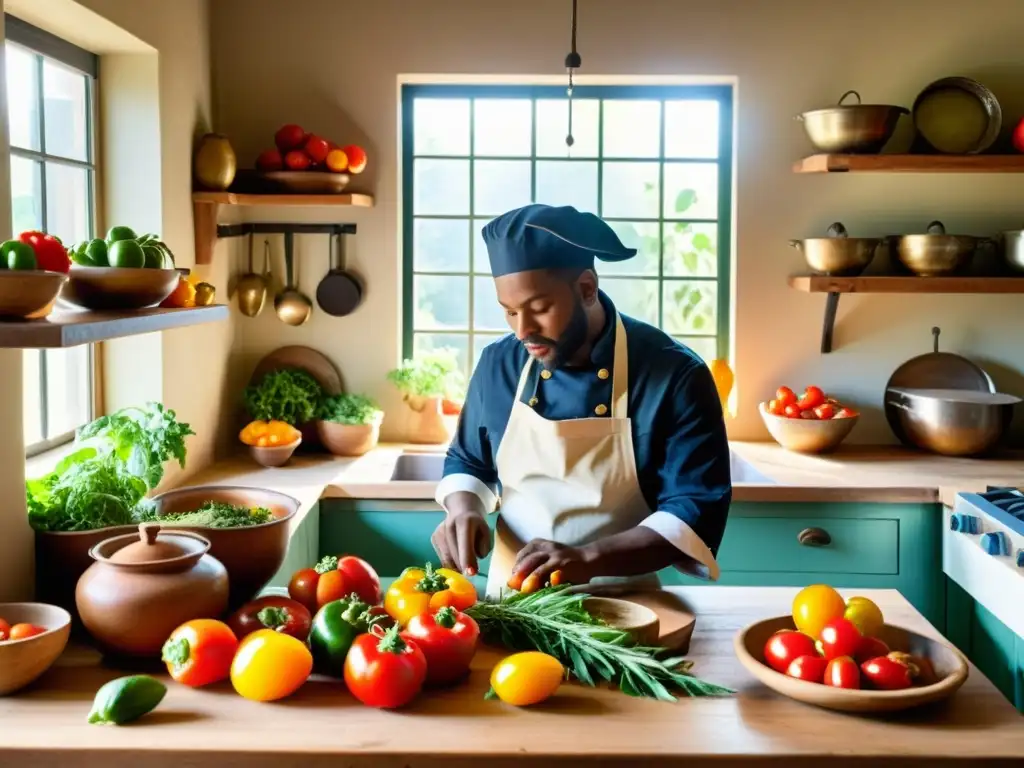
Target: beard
x=568 y=344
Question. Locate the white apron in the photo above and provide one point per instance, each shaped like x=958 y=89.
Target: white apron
x=571 y=481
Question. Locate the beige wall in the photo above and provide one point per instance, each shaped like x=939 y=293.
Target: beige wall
x=332 y=66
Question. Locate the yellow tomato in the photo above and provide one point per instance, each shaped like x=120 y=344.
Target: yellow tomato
x=270 y=665
x=865 y=614
x=417 y=591
x=815 y=606
x=526 y=678
x=252 y=432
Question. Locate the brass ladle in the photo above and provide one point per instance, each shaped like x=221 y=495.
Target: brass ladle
x=292 y=305
x=252 y=287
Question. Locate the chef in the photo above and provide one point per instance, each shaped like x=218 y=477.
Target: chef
x=603 y=437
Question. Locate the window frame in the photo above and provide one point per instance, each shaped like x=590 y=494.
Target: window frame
x=45 y=45
x=723 y=94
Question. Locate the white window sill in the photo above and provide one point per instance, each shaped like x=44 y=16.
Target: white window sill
x=43 y=463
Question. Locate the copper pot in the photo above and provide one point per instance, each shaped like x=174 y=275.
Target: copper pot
x=144 y=585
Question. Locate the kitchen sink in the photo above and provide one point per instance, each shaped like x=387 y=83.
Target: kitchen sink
x=429 y=467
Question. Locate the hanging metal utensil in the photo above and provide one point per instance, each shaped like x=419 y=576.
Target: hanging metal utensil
x=340 y=292
x=291 y=305
x=252 y=287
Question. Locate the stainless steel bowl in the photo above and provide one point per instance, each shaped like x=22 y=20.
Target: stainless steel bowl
x=837 y=254
x=952 y=422
x=1013 y=249
x=852 y=128
x=957 y=115
x=937 y=253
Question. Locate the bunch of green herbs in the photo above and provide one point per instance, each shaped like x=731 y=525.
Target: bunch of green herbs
x=213 y=514
x=554 y=621
x=432 y=374
x=290 y=395
x=353 y=410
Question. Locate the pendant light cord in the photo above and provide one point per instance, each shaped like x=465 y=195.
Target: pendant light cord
x=572 y=63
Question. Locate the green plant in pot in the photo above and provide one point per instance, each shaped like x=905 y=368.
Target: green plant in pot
x=348 y=424
x=432 y=385
x=290 y=395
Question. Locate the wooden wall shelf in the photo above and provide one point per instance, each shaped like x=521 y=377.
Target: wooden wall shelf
x=72 y=328
x=836 y=286
x=206 y=205
x=910 y=164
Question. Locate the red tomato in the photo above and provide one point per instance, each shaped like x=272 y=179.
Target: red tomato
x=825 y=411
x=870 y=648
x=269 y=160
x=448 y=639
x=317 y=148
x=785 y=396
x=51 y=254
x=5 y=630
x=289 y=137
x=199 y=652
x=356 y=158
x=21 y=631
x=839 y=637
x=842 y=672
x=297 y=160
x=282 y=614
x=1018 y=136
x=786 y=645
x=792 y=411
x=809 y=668
x=886 y=674
x=450 y=407
x=808 y=414
x=302 y=588
x=385 y=670
x=845 y=413
x=776 y=408
x=811 y=398
x=360 y=578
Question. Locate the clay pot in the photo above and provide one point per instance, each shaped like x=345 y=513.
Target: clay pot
x=427 y=424
x=215 y=162
x=349 y=439
x=143 y=585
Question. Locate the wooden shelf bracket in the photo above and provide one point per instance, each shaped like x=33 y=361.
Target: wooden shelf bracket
x=829 y=322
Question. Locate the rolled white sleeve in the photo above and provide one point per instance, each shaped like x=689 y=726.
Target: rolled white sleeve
x=698 y=560
x=464 y=482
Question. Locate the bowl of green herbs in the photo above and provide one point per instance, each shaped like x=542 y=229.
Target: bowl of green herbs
x=349 y=424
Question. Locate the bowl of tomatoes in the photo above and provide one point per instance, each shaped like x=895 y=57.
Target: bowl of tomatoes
x=840 y=654
x=811 y=422
x=32 y=636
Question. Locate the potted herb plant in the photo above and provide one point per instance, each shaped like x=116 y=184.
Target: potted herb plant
x=348 y=424
x=283 y=398
x=431 y=385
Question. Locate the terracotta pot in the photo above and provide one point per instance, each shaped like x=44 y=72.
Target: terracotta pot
x=349 y=439
x=273 y=455
x=427 y=424
x=142 y=586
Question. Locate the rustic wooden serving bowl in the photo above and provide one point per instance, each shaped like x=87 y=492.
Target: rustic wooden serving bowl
x=22 y=661
x=642 y=624
x=950 y=667
x=28 y=294
x=100 y=288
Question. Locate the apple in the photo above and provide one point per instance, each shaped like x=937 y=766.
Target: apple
x=317 y=148
x=1018 y=136
x=337 y=161
x=289 y=137
x=297 y=160
x=269 y=160
x=356 y=158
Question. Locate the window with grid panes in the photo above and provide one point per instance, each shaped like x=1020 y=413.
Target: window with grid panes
x=53 y=177
x=655 y=162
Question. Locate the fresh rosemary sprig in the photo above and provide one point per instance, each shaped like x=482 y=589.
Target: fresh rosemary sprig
x=555 y=622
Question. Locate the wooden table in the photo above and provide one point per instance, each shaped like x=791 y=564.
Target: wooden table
x=322 y=725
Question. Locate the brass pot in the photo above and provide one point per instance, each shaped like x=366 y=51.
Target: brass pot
x=837 y=254
x=852 y=128
x=215 y=162
x=937 y=253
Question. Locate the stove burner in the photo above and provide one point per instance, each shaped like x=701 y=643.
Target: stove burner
x=1009 y=500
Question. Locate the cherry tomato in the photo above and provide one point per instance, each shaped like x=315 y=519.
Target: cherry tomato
x=811 y=398
x=845 y=413
x=776 y=408
x=785 y=396
x=865 y=614
x=282 y=614
x=526 y=678
x=809 y=668
x=839 y=637
x=199 y=652
x=786 y=645
x=825 y=411
x=810 y=413
x=21 y=631
x=887 y=674
x=5 y=630
x=842 y=672
x=331 y=586
x=870 y=648
x=270 y=665
x=302 y=588
x=921 y=670
x=448 y=639
x=792 y=411
x=814 y=606
x=335 y=578
x=384 y=669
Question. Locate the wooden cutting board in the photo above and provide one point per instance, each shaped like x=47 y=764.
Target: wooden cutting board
x=675 y=618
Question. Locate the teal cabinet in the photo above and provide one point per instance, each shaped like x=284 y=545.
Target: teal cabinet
x=895 y=546
x=303 y=549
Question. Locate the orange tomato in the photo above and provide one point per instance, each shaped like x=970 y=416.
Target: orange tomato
x=792 y=411
x=270 y=665
x=199 y=652
x=776 y=408
x=825 y=411
x=356 y=158
x=815 y=606
x=785 y=396
x=337 y=161
x=183 y=296
x=331 y=586
x=811 y=398
x=22 y=631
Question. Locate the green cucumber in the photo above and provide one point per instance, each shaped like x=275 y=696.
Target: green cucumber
x=125 y=699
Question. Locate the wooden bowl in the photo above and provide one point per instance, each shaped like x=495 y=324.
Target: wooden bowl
x=309 y=182
x=639 y=621
x=273 y=455
x=22 y=661
x=950 y=667
x=807 y=435
x=118 y=287
x=28 y=295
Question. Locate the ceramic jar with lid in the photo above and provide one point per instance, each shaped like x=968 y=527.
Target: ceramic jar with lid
x=143 y=585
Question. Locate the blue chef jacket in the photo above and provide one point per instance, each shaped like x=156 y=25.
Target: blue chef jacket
x=679 y=438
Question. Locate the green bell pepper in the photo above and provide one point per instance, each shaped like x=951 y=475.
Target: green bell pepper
x=334 y=628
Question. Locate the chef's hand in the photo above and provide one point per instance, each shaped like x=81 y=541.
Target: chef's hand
x=463 y=535
x=541 y=558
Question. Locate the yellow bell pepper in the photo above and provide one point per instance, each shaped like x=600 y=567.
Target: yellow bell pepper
x=418 y=591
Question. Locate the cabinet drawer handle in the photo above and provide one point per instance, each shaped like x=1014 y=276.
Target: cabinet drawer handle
x=814 y=537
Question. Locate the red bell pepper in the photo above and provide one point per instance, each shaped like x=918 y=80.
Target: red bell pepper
x=51 y=254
